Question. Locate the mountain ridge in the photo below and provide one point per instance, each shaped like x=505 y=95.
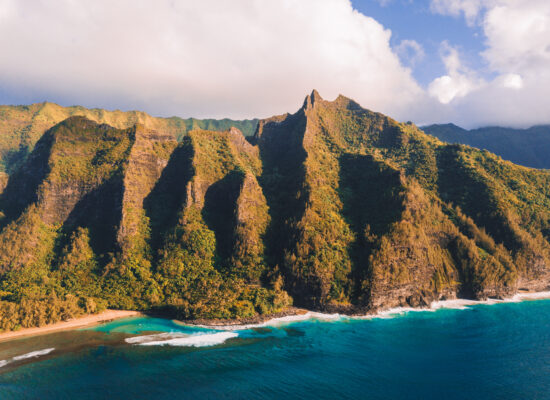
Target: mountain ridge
x=22 y=126
x=528 y=147
x=333 y=208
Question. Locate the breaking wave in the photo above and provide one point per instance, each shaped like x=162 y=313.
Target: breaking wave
x=456 y=304
x=175 y=339
x=32 y=354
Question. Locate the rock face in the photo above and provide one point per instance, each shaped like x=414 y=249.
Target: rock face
x=373 y=213
x=337 y=206
x=148 y=157
x=22 y=126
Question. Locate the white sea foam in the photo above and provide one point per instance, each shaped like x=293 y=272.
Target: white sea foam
x=531 y=296
x=288 y=319
x=465 y=304
x=300 y=317
x=457 y=304
x=174 y=339
x=33 y=354
x=151 y=338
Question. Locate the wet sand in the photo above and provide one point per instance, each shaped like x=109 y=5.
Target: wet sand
x=87 y=320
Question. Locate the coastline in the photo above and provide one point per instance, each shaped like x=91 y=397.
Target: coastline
x=292 y=314
x=257 y=320
x=300 y=314
x=80 y=322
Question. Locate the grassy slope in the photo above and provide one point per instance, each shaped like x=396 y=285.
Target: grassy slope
x=343 y=208
x=529 y=147
x=22 y=126
x=387 y=215
x=93 y=228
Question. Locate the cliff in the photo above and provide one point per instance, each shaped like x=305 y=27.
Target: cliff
x=22 y=126
x=333 y=207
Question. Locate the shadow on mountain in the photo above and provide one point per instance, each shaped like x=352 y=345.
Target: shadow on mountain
x=165 y=201
x=22 y=187
x=371 y=194
x=282 y=182
x=219 y=214
x=101 y=212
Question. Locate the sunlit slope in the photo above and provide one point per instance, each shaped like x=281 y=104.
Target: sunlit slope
x=333 y=207
x=22 y=126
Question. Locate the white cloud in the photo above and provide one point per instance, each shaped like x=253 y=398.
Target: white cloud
x=469 y=8
x=510 y=81
x=410 y=51
x=242 y=58
x=256 y=58
x=517 y=38
x=7 y=8
x=459 y=80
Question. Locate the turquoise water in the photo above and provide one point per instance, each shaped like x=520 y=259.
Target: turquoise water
x=483 y=352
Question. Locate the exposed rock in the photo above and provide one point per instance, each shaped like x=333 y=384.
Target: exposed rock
x=147 y=159
x=345 y=209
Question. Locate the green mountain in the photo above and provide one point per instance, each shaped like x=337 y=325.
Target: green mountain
x=333 y=208
x=529 y=147
x=22 y=126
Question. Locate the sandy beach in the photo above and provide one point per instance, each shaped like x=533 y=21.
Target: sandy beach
x=87 y=320
x=291 y=314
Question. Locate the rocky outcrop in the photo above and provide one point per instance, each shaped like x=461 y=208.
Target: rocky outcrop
x=251 y=221
x=343 y=208
x=22 y=126
x=148 y=157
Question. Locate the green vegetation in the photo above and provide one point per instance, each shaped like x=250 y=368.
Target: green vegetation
x=127 y=218
x=22 y=126
x=529 y=147
x=333 y=208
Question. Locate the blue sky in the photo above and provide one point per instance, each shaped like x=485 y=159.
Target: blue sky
x=413 y=20
x=470 y=62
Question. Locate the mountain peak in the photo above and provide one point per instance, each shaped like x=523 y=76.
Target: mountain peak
x=311 y=99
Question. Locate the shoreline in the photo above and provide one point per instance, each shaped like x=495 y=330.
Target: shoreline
x=292 y=314
x=300 y=314
x=221 y=324
x=79 y=322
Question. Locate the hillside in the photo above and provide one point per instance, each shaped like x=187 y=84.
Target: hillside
x=22 y=126
x=333 y=207
x=529 y=147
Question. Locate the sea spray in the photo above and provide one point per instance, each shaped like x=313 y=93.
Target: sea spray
x=32 y=354
x=174 y=339
x=456 y=304
x=497 y=352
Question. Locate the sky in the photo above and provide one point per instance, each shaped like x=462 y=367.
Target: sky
x=470 y=62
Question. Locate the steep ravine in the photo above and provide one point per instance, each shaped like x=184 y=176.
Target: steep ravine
x=333 y=207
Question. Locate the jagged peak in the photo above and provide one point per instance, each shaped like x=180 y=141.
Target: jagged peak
x=48 y=103
x=340 y=101
x=311 y=99
x=315 y=96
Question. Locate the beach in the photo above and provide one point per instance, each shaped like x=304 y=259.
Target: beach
x=489 y=350
x=289 y=315
x=87 y=320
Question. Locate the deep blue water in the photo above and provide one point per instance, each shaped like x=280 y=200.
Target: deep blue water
x=484 y=352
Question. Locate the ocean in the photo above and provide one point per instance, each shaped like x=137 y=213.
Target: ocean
x=499 y=351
